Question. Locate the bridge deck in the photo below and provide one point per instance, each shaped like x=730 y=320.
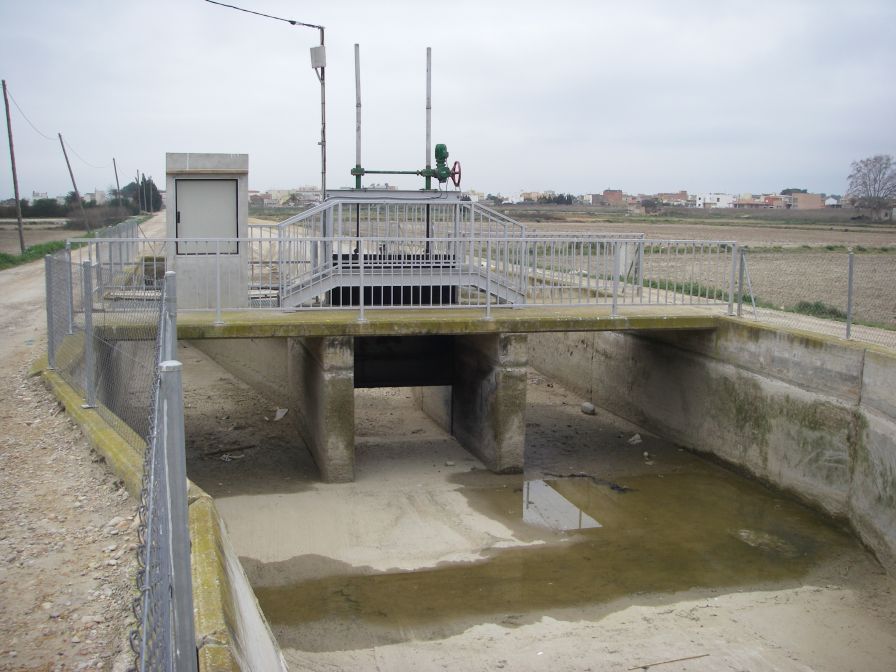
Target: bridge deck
x=420 y=321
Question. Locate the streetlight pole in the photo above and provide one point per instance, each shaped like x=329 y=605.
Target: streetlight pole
x=321 y=75
x=319 y=63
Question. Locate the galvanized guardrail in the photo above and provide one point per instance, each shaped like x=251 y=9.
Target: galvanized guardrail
x=135 y=385
x=391 y=272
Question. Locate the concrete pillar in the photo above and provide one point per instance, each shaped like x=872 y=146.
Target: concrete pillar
x=487 y=402
x=321 y=384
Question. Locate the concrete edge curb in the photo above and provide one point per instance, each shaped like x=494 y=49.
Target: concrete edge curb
x=211 y=586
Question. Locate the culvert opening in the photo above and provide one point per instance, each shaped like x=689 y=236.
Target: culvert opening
x=236 y=441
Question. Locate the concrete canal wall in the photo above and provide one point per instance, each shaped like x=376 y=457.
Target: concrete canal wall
x=812 y=415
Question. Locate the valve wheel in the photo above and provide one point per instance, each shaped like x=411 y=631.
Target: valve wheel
x=455 y=174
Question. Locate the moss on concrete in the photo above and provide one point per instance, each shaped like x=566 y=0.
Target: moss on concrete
x=118 y=452
x=212 y=596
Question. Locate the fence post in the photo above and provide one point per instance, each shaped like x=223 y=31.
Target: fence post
x=740 y=283
x=100 y=287
x=361 y=317
x=613 y=310
x=169 y=316
x=849 y=295
x=218 y=319
x=640 y=268
x=89 y=354
x=51 y=330
x=488 y=279
x=731 y=279
x=70 y=289
x=176 y=481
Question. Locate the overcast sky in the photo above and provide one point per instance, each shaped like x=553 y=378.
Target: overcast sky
x=731 y=96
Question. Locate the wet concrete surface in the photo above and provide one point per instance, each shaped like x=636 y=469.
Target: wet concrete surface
x=428 y=550
x=693 y=529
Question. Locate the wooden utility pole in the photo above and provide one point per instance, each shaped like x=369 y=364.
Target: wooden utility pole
x=137 y=192
x=117 y=186
x=15 y=177
x=75 y=186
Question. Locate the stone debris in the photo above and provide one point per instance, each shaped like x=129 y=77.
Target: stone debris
x=60 y=508
x=588 y=408
x=635 y=439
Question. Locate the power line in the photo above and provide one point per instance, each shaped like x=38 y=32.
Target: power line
x=36 y=129
x=291 y=22
x=83 y=160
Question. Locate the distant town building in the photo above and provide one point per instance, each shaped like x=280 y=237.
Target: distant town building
x=613 y=197
x=678 y=198
x=832 y=202
x=807 y=201
x=713 y=200
x=38 y=195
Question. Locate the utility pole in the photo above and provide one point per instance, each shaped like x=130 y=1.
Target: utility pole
x=75 y=186
x=15 y=177
x=117 y=185
x=319 y=63
x=145 y=197
x=137 y=191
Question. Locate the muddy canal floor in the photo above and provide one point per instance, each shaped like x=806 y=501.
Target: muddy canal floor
x=607 y=554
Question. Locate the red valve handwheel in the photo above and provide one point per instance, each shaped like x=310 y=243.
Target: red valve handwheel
x=455 y=173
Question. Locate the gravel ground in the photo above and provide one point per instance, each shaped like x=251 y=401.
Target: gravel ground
x=67 y=528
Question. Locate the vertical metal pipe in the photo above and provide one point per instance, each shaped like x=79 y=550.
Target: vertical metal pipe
x=89 y=354
x=488 y=279
x=218 y=319
x=170 y=314
x=361 y=317
x=358 y=114
x=51 y=330
x=731 y=279
x=70 y=289
x=849 y=295
x=613 y=311
x=428 y=115
x=740 y=283
x=323 y=126
x=170 y=373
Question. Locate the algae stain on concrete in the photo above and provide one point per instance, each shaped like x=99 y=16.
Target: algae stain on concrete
x=654 y=537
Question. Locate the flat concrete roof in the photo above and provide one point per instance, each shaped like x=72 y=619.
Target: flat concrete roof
x=192 y=325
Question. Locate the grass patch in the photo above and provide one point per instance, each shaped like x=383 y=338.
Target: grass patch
x=819 y=309
x=689 y=289
x=34 y=253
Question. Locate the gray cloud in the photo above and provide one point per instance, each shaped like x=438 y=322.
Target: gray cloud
x=572 y=96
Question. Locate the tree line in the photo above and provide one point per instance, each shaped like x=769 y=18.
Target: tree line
x=135 y=197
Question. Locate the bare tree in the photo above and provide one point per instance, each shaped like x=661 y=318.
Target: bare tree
x=872 y=185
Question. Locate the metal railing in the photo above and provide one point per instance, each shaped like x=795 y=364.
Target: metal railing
x=313 y=272
x=843 y=293
x=134 y=383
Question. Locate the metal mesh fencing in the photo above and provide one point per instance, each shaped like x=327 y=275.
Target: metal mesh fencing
x=833 y=292
x=118 y=352
x=164 y=637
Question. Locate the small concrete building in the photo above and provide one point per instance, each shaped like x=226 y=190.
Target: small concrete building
x=208 y=198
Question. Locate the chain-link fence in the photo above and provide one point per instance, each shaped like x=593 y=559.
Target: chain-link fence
x=836 y=292
x=120 y=356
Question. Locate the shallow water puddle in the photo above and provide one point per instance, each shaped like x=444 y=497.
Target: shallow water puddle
x=648 y=539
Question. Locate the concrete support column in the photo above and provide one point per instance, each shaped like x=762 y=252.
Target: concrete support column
x=488 y=399
x=321 y=384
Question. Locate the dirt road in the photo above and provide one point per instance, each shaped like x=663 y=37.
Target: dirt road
x=67 y=530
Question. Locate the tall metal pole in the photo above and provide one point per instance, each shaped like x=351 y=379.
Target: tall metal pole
x=137 y=190
x=74 y=186
x=117 y=185
x=428 y=116
x=323 y=126
x=357 y=114
x=15 y=177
